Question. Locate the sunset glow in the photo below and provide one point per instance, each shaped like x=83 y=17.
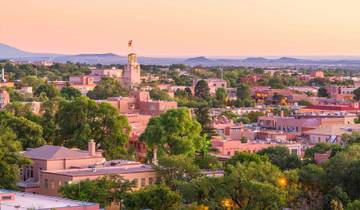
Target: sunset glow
x=183 y=27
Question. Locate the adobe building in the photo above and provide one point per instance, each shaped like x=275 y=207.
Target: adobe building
x=213 y=84
x=4 y=98
x=229 y=147
x=55 y=166
x=3 y=81
x=140 y=102
x=13 y=200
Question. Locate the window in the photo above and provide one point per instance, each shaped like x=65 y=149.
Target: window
x=6 y=197
x=151 y=180
x=46 y=183
x=142 y=182
x=52 y=184
x=135 y=182
x=31 y=171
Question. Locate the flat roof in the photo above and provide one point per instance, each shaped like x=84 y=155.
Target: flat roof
x=35 y=201
x=107 y=170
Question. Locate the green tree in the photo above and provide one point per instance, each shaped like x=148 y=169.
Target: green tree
x=355 y=205
x=103 y=190
x=48 y=120
x=243 y=91
x=27 y=132
x=304 y=103
x=255 y=185
x=176 y=168
x=70 y=93
x=322 y=148
x=31 y=81
x=83 y=119
x=108 y=87
x=243 y=96
x=158 y=94
x=10 y=158
x=202 y=90
x=281 y=157
x=221 y=96
x=357 y=94
x=336 y=194
x=155 y=197
x=244 y=157
x=322 y=92
x=208 y=191
x=174 y=132
x=203 y=117
x=50 y=91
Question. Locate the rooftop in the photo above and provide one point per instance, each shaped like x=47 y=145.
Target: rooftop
x=34 y=201
x=105 y=170
x=50 y=152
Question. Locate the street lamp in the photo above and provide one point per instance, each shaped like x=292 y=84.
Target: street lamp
x=282 y=182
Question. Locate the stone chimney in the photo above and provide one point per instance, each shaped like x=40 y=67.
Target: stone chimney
x=92 y=148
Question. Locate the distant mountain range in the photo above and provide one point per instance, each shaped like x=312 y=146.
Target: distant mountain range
x=9 y=52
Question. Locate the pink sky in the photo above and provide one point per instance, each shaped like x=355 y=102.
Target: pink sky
x=183 y=27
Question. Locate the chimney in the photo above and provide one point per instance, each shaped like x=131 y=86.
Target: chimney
x=92 y=148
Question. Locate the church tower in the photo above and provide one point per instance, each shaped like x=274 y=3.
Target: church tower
x=132 y=70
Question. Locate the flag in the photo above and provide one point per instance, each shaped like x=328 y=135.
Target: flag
x=130 y=44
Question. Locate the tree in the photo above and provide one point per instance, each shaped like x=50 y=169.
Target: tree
x=244 y=157
x=83 y=119
x=27 y=132
x=174 y=132
x=357 y=94
x=31 y=81
x=155 y=197
x=50 y=91
x=351 y=180
x=253 y=116
x=10 y=158
x=335 y=196
x=304 y=103
x=202 y=89
x=322 y=92
x=177 y=168
x=243 y=96
x=355 y=205
x=281 y=157
x=48 y=120
x=312 y=178
x=103 y=190
x=243 y=91
x=255 y=185
x=157 y=94
x=207 y=191
x=352 y=138
x=203 y=117
x=321 y=148
x=221 y=96
x=70 y=93
x=107 y=87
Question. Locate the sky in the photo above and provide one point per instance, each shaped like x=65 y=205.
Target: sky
x=183 y=27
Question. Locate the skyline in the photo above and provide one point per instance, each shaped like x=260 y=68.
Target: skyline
x=183 y=28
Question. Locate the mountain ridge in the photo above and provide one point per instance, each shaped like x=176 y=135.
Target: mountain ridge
x=13 y=53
